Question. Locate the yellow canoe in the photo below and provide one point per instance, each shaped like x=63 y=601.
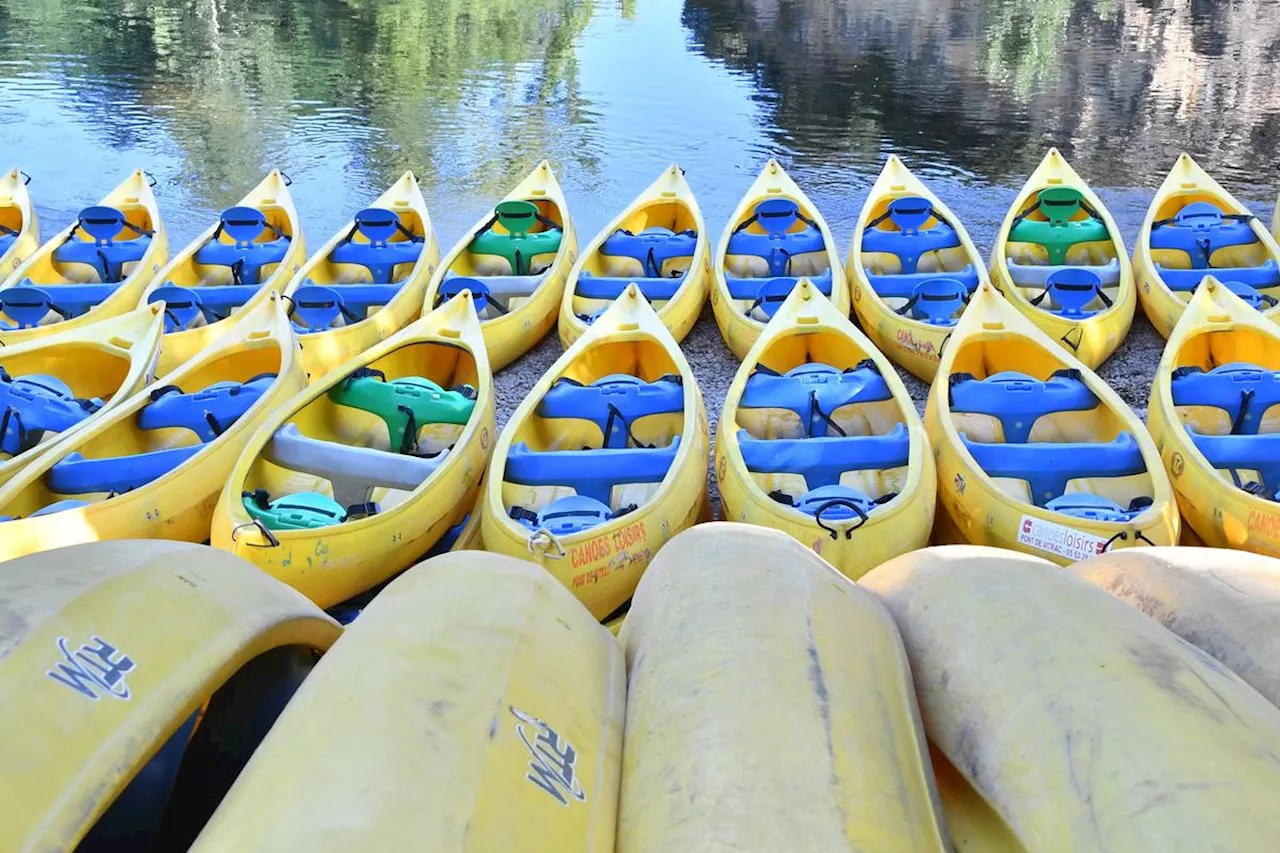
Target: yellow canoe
x=912 y=268
x=659 y=242
x=769 y=708
x=515 y=262
x=604 y=460
x=1195 y=228
x=367 y=282
x=1211 y=413
x=252 y=250
x=354 y=479
x=474 y=706
x=19 y=224
x=1061 y=706
x=153 y=466
x=53 y=386
x=1275 y=221
x=819 y=438
x=774 y=237
x=1035 y=453
x=93 y=269
x=116 y=656
x=1059 y=259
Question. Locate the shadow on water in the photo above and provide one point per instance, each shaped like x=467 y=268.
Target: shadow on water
x=1120 y=85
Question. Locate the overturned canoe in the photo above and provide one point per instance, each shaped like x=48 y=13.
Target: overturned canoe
x=93 y=269
x=252 y=250
x=515 y=262
x=819 y=438
x=351 y=481
x=660 y=243
x=604 y=460
x=152 y=467
x=474 y=706
x=138 y=677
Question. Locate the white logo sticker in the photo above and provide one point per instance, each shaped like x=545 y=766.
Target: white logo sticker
x=553 y=767
x=1059 y=539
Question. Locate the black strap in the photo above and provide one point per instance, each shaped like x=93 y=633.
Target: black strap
x=519 y=513
x=814 y=407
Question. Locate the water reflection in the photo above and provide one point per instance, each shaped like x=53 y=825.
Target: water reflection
x=1120 y=85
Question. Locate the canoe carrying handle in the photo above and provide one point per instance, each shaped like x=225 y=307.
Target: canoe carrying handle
x=151 y=179
x=844 y=502
x=272 y=541
x=543 y=538
x=1122 y=535
x=26 y=179
x=288 y=181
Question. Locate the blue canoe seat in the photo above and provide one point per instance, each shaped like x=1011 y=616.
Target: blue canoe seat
x=1018 y=400
x=316 y=307
x=652 y=247
x=835 y=503
x=778 y=244
x=769 y=294
x=76 y=475
x=567 y=515
x=815 y=391
x=1256 y=299
x=8 y=236
x=1037 y=275
x=1261 y=277
x=611 y=287
x=1047 y=467
x=208 y=412
x=1244 y=391
x=1260 y=453
x=27 y=304
x=1097 y=508
x=1199 y=230
x=821 y=461
x=245 y=255
x=613 y=402
x=482 y=295
x=912 y=240
x=105 y=252
x=184 y=305
x=590 y=473
x=1071 y=290
x=380 y=255
x=33 y=405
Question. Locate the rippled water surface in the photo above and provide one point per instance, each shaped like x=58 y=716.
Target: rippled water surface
x=207 y=94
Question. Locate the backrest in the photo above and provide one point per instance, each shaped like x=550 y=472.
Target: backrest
x=912 y=240
x=1018 y=400
x=405 y=405
x=1073 y=288
x=815 y=391
x=613 y=402
x=592 y=473
x=1244 y=391
x=1047 y=467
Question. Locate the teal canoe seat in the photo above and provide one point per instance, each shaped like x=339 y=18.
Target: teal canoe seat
x=1200 y=229
x=913 y=238
x=1017 y=400
x=814 y=392
x=379 y=254
x=300 y=511
x=778 y=244
x=105 y=252
x=567 y=515
x=36 y=404
x=1265 y=275
x=592 y=473
x=613 y=403
x=1047 y=467
x=821 y=461
x=406 y=404
x=207 y=413
x=246 y=254
x=518 y=243
x=1246 y=392
x=652 y=247
x=1058 y=232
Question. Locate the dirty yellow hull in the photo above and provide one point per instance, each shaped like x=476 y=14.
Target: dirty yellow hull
x=487 y=666
x=808 y=329
x=332 y=564
x=109 y=649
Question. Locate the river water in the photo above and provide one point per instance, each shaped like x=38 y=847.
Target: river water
x=470 y=94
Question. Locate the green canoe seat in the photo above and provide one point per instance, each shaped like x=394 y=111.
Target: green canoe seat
x=518 y=243
x=353 y=471
x=1058 y=232
x=405 y=405
x=298 y=511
